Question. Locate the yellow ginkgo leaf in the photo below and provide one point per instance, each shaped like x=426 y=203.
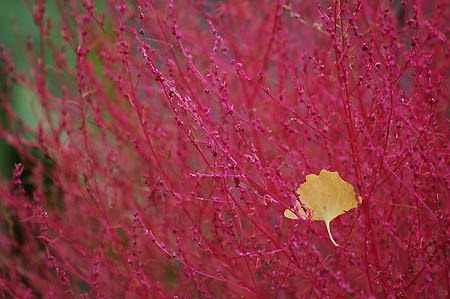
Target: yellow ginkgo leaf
x=326 y=196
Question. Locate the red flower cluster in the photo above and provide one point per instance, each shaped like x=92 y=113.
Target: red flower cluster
x=171 y=136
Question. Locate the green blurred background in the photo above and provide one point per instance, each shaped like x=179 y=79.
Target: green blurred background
x=16 y=24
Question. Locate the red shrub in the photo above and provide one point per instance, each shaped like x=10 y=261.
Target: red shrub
x=172 y=135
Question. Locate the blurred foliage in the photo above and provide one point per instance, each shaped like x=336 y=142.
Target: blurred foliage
x=16 y=25
x=15 y=21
